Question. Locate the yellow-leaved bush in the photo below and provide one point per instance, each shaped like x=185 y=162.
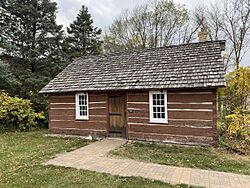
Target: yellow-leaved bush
x=239 y=125
x=17 y=112
x=234 y=111
x=237 y=93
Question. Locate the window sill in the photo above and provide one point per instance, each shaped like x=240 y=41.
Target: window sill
x=156 y=122
x=81 y=119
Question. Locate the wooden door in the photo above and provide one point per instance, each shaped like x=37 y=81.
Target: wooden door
x=116 y=116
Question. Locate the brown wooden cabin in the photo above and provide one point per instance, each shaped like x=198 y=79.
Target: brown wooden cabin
x=163 y=94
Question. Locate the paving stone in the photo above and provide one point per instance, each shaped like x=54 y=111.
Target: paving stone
x=94 y=157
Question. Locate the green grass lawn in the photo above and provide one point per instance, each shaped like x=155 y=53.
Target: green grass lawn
x=22 y=154
x=194 y=157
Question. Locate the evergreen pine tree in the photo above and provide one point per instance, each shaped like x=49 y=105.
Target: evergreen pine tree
x=32 y=41
x=83 y=38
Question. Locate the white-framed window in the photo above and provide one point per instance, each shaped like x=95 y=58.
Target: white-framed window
x=82 y=110
x=158 y=106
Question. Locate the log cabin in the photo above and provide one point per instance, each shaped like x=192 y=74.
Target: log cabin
x=165 y=94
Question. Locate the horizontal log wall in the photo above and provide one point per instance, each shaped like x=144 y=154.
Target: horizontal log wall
x=191 y=117
x=62 y=115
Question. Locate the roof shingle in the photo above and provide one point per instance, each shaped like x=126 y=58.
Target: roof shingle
x=196 y=65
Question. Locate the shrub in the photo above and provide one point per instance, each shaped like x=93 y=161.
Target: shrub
x=17 y=113
x=235 y=134
x=233 y=107
x=237 y=93
x=239 y=125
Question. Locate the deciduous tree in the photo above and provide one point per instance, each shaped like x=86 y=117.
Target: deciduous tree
x=158 y=23
x=230 y=20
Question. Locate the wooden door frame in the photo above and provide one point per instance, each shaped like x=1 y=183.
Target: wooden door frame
x=124 y=100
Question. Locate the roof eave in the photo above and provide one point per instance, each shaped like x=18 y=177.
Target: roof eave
x=140 y=89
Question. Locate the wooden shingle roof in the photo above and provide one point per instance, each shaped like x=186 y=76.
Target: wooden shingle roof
x=196 y=65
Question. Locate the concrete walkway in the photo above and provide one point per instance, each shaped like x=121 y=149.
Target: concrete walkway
x=94 y=157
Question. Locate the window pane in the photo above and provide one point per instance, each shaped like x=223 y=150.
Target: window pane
x=158 y=102
x=154 y=102
x=162 y=102
x=154 y=96
x=154 y=109
x=158 y=109
x=162 y=109
x=158 y=96
x=163 y=115
x=162 y=96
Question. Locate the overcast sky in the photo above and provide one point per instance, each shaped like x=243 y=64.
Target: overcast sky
x=104 y=11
